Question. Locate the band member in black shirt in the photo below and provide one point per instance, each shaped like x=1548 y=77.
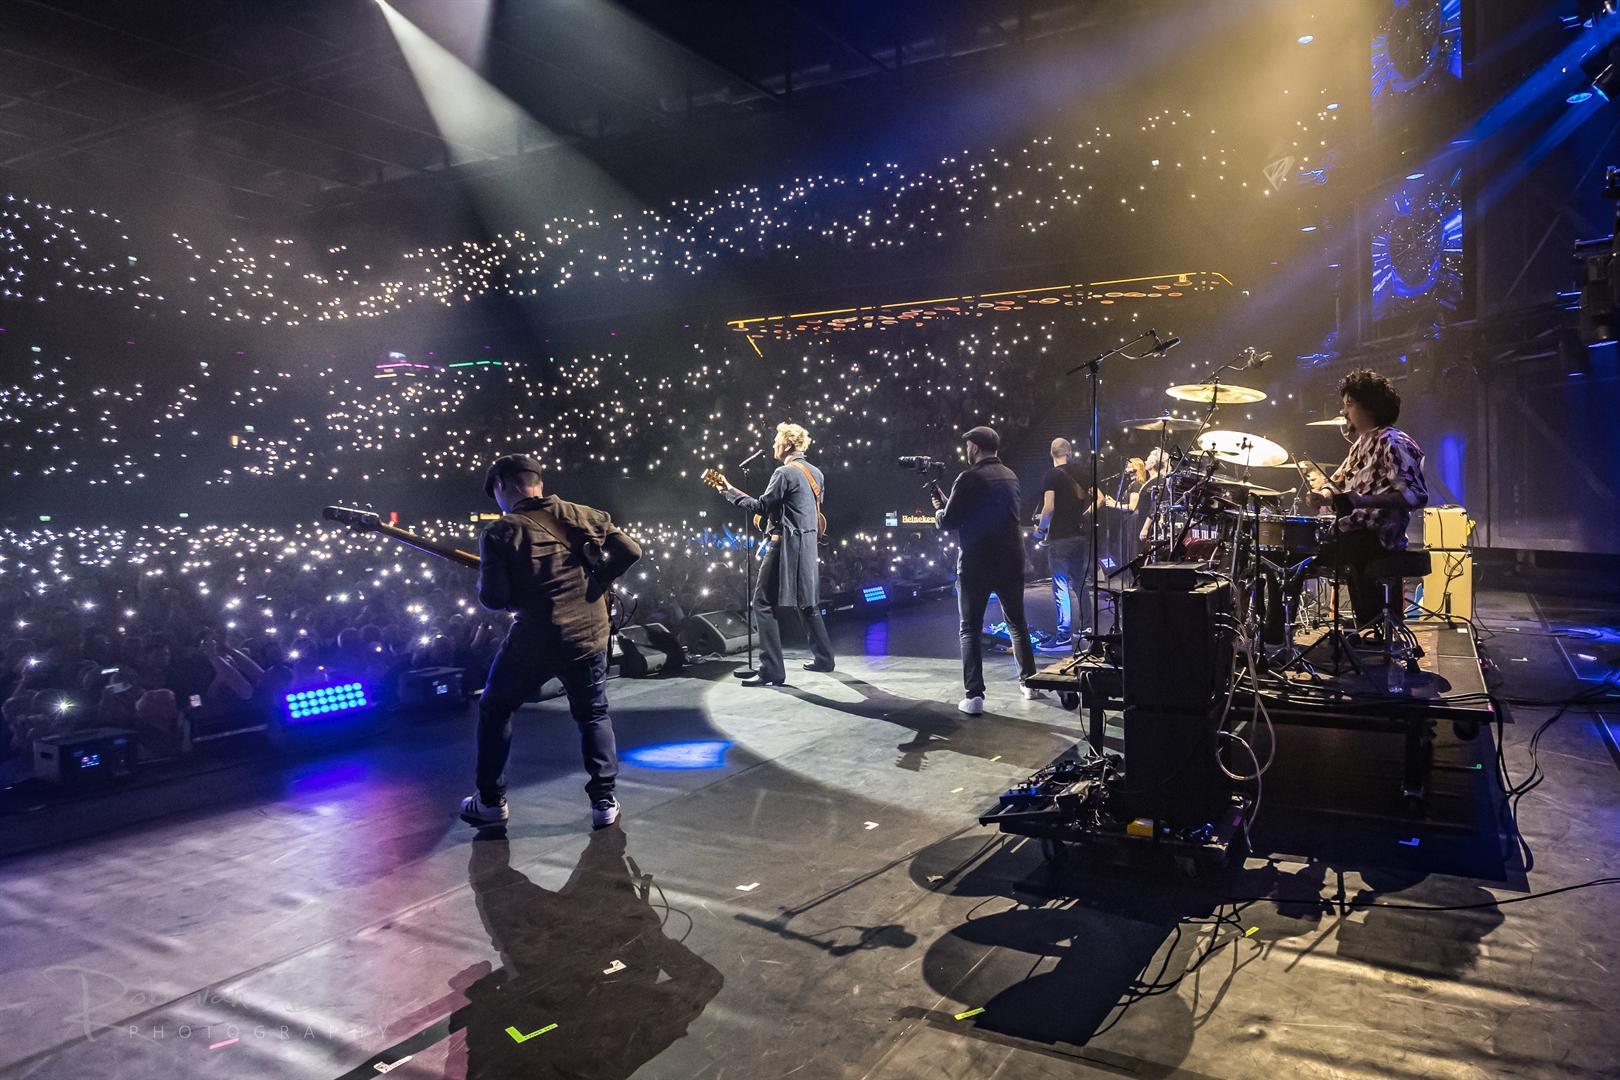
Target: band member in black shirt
x=549 y=562
x=983 y=510
x=1063 y=523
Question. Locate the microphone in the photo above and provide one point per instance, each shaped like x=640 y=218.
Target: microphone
x=750 y=459
x=1255 y=358
x=1162 y=344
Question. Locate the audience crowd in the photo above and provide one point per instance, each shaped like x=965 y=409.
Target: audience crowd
x=174 y=633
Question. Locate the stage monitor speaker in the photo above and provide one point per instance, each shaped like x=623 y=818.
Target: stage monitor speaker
x=723 y=632
x=82 y=759
x=1170 y=770
x=1175 y=652
x=432 y=688
x=648 y=650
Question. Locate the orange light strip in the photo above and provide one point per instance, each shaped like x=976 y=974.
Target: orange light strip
x=1179 y=280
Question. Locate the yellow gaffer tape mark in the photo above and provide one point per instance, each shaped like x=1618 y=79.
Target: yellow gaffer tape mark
x=970 y=1012
x=1251 y=931
x=996 y=758
x=519 y=1037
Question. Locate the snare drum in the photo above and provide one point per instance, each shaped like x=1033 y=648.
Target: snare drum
x=1293 y=536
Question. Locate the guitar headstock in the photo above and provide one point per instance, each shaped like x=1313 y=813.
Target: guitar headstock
x=358 y=519
x=713 y=478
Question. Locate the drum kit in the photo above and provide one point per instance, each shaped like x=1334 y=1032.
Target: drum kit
x=1209 y=502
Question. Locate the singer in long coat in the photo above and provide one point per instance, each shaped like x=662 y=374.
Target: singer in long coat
x=789 y=567
x=789 y=509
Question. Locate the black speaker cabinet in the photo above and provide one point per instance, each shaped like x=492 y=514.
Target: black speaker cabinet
x=1175 y=654
x=648 y=650
x=1170 y=770
x=723 y=632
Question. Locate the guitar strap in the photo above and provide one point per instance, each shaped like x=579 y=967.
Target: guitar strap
x=547 y=521
x=815 y=489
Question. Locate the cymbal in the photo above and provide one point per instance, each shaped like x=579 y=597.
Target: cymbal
x=1220 y=393
x=1241 y=448
x=1158 y=423
x=1332 y=421
x=1257 y=490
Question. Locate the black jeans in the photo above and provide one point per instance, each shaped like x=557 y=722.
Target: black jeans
x=520 y=668
x=973 y=589
x=772 y=666
x=1352 y=551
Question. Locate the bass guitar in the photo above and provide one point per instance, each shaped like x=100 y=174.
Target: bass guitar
x=598 y=583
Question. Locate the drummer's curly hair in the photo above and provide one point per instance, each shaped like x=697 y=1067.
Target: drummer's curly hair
x=1374 y=393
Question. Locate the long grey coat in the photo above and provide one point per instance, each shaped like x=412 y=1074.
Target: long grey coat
x=789 y=507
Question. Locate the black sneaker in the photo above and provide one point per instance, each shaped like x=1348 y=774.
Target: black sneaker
x=604 y=812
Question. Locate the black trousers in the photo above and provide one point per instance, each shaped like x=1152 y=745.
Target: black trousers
x=1351 y=552
x=772 y=665
x=525 y=663
x=974 y=586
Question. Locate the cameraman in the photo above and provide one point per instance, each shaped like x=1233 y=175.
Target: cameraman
x=983 y=509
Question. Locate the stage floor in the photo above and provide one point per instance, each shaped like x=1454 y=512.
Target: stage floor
x=799 y=888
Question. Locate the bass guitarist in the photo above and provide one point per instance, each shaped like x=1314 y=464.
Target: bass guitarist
x=790 y=510
x=550 y=562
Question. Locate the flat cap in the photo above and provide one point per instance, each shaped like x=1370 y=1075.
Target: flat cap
x=508 y=465
x=985 y=438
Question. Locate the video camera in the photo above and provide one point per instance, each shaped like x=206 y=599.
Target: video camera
x=925 y=465
x=930 y=469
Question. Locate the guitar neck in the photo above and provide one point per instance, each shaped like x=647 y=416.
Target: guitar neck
x=443 y=551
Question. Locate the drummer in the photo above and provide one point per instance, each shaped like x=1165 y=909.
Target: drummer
x=1375 y=490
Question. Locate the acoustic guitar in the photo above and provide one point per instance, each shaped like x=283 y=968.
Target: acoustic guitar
x=714 y=479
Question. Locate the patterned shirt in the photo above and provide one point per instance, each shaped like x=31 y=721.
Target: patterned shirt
x=1383 y=460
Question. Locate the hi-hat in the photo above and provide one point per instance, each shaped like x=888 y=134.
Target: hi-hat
x=1241 y=448
x=1332 y=421
x=1160 y=423
x=1257 y=490
x=1217 y=393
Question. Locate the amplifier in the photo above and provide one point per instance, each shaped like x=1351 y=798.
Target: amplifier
x=1170 y=770
x=1172 y=576
x=84 y=758
x=1175 y=654
x=723 y=632
x=1449 y=586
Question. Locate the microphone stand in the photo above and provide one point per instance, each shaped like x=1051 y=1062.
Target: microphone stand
x=748 y=671
x=1093 y=369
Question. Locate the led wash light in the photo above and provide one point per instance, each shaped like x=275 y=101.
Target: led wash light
x=327 y=700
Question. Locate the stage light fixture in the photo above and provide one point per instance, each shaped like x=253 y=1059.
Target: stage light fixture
x=1601 y=67
x=1306 y=39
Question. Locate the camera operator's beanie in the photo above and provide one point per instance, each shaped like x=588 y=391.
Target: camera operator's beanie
x=985 y=438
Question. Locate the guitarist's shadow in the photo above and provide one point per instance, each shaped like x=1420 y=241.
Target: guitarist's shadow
x=589 y=985
x=938 y=726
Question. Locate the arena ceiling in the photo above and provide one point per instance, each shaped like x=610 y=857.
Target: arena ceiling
x=267 y=111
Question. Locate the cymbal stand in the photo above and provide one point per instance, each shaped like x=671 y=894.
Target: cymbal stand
x=1093 y=369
